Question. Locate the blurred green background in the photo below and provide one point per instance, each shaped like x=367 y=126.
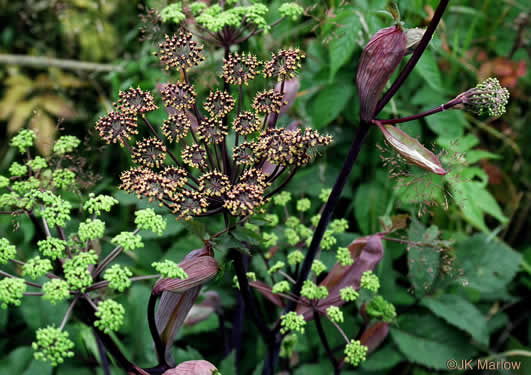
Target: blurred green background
x=485 y=208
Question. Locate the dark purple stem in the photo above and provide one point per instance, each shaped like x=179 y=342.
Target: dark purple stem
x=438 y=109
x=324 y=341
x=159 y=345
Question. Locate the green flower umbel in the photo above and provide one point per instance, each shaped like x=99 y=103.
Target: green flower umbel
x=487 y=98
x=355 y=352
x=52 y=345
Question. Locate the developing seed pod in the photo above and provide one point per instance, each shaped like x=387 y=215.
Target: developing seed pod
x=378 y=61
x=411 y=149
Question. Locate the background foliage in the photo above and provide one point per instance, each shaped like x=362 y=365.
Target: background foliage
x=475 y=308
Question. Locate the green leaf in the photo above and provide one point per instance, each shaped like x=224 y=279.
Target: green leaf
x=243 y=234
x=473 y=198
x=209 y=324
x=459 y=312
x=369 y=203
x=40 y=313
x=228 y=365
x=423 y=261
x=448 y=124
x=173 y=228
x=345 y=41
x=324 y=367
x=383 y=359
x=38 y=368
x=429 y=341
x=16 y=361
x=428 y=69
x=487 y=263
x=329 y=103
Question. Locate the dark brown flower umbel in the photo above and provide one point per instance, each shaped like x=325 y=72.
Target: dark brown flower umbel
x=149 y=152
x=268 y=102
x=246 y=123
x=179 y=96
x=212 y=130
x=219 y=103
x=238 y=70
x=180 y=52
x=206 y=172
x=379 y=59
x=135 y=101
x=117 y=127
x=176 y=127
x=284 y=64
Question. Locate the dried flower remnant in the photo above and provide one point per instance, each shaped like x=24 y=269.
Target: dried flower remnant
x=117 y=127
x=379 y=59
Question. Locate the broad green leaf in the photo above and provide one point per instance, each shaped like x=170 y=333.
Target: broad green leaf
x=427 y=340
x=369 y=203
x=40 y=313
x=475 y=201
x=448 y=124
x=209 y=324
x=323 y=367
x=423 y=261
x=487 y=263
x=383 y=359
x=345 y=41
x=329 y=103
x=428 y=69
x=16 y=361
x=38 y=368
x=459 y=312
x=228 y=365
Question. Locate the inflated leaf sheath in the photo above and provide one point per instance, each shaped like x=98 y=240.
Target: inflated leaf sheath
x=379 y=59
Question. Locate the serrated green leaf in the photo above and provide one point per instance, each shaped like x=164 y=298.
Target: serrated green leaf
x=345 y=42
x=459 y=312
x=329 y=103
x=487 y=263
x=428 y=69
x=474 y=200
x=423 y=261
x=427 y=340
